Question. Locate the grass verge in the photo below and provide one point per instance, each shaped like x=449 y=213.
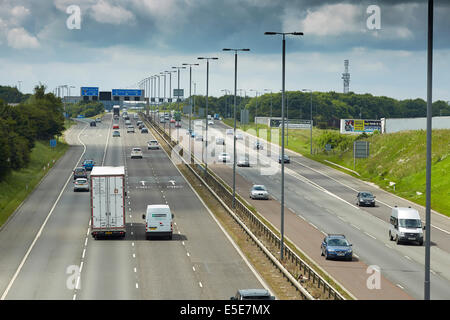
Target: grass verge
x=394 y=158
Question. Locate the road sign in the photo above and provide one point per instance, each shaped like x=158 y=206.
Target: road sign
x=89 y=91
x=53 y=143
x=244 y=116
x=361 y=149
x=127 y=92
x=178 y=92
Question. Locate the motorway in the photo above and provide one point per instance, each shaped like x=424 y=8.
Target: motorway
x=325 y=199
x=48 y=253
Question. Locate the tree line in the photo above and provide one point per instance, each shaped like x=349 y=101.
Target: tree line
x=327 y=107
x=40 y=117
x=85 y=108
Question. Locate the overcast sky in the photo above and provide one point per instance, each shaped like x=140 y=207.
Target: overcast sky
x=121 y=42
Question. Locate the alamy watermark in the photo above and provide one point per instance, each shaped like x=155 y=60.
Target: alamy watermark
x=373 y=22
x=74 y=20
x=374 y=280
x=73 y=280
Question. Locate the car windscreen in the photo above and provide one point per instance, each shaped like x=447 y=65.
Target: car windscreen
x=263 y=297
x=259 y=188
x=366 y=195
x=337 y=242
x=79 y=170
x=410 y=223
x=81 y=181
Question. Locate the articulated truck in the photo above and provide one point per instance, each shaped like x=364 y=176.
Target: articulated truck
x=107 y=201
x=116 y=111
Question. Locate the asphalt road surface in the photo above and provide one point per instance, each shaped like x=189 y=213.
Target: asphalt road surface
x=326 y=199
x=48 y=253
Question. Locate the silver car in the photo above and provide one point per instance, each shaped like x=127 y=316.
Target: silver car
x=259 y=192
x=81 y=184
x=243 y=162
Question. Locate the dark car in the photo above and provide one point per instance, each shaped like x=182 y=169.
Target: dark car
x=336 y=246
x=253 y=294
x=365 y=198
x=144 y=130
x=88 y=164
x=93 y=124
x=286 y=159
x=79 y=172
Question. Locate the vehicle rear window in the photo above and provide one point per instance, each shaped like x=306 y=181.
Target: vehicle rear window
x=159 y=216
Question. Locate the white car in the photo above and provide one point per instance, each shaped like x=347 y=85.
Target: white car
x=210 y=122
x=224 y=157
x=130 y=129
x=259 y=192
x=81 y=184
x=230 y=132
x=152 y=145
x=198 y=137
x=136 y=153
x=239 y=136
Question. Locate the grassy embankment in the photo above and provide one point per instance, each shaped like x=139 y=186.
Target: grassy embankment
x=397 y=157
x=19 y=184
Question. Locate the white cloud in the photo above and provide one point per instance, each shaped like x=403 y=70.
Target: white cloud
x=104 y=12
x=19 y=38
x=328 y=20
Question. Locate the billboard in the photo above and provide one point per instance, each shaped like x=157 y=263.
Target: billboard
x=128 y=92
x=89 y=91
x=360 y=126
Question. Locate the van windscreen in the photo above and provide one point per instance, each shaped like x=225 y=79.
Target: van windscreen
x=410 y=223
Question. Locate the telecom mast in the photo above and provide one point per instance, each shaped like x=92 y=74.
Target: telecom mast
x=346 y=77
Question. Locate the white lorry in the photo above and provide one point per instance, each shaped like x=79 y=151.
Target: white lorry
x=108 y=201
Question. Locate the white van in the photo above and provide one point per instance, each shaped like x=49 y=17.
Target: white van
x=405 y=225
x=158 y=221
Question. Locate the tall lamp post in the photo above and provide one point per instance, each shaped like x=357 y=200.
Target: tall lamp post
x=283 y=61
x=256 y=113
x=428 y=153
x=190 y=97
x=178 y=96
x=227 y=112
x=311 y=124
x=206 y=114
x=234 y=112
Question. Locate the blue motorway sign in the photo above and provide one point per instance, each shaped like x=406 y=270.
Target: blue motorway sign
x=89 y=91
x=53 y=143
x=127 y=92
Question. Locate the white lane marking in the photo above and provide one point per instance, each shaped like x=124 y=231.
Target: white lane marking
x=355 y=226
x=313 y=225
x=342 y=219
x=84 y=251
x=77 y=286
x=85 y=242
x=432 y=272
x=368 y=234
x=182 y=242
x=188 y=254
x=193 y=268
x=200 y=284
x=43 y=224
x=87 y=233
x=388 y=246
x=408 y=258
x=74 y=297
x=137 y=286
x=400 y=286
x=81 y=266
x=134 y=255
x=132 y=244
x=135 y=270
x=356 y=255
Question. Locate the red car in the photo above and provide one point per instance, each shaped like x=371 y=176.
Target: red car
x=116 y=126
x=172 y=120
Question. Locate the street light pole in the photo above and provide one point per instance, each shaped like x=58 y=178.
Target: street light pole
x=428 y=156
x=190 y=97
x=234 y=129
x=311 y=123
x=283 y=59
x=256 y=113
x=206 y=114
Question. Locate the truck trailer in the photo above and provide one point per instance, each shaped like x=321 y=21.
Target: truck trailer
x=108 y=201
x=116 y=110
